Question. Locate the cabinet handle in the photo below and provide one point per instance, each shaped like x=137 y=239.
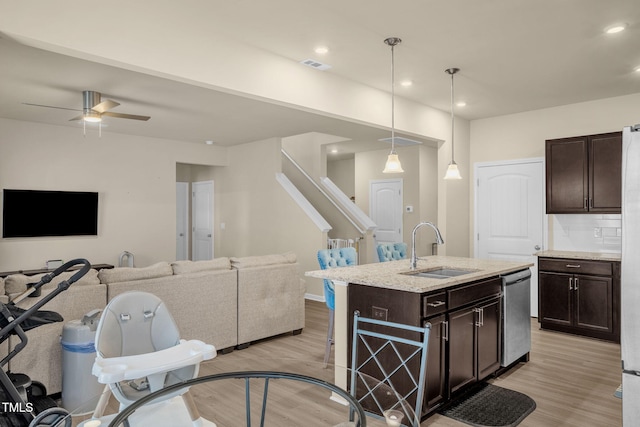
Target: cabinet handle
x=435 y=304
x=445 y=325
x=480 y=320
x=586 y=203
x=572 y=265
x=570 y=283
x=575 y=284
x=590 y=202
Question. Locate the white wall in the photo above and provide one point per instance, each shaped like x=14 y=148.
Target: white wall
x=134 y=176
x=520 y=136
x=419 y=181
x=260 y=217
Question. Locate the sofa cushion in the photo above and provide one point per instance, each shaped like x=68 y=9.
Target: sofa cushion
x=183 y=267
x=17 y=283
x=127 y=274
x=262 y=260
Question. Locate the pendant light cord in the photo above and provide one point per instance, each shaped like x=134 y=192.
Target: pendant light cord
x=393 y=106
x=452 y=157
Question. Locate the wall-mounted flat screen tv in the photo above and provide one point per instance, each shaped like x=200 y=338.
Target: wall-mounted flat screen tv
x=36 y=213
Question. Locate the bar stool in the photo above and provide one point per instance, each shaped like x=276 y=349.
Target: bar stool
x=391 y=251
x=331 y=258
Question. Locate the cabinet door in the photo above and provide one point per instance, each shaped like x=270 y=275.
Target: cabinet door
x=435 y=389
x=594 y=303
x=462 y=350
x=567 y=175
x=605 y=179
x=489 y=338
x=555 y=298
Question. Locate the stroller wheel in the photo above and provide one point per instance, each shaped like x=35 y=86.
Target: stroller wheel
x=52 y=417
x=37 y=389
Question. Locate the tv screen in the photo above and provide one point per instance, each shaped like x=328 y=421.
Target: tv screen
x=36 y=213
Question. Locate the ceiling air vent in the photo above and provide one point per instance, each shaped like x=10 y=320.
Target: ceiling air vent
x=400 y=141
x=315 y=64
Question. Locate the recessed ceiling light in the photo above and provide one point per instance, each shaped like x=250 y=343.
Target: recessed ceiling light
x=637 y=69
x=613 y=29
x=406 y=83
x=208 y=142
x=461 y=104
x=334 y=150
x=321 y=50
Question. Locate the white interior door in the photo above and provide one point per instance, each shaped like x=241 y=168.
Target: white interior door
x=385 y=209
x=182 y=221
x=202 y=220
x=510 y=217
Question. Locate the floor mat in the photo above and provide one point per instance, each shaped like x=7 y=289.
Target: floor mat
x=490 y=405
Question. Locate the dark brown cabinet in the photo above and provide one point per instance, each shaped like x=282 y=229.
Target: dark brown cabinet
x=436 y=382
x=465 y=337
x=583 y=174
x=580 y=297
x=474 y=344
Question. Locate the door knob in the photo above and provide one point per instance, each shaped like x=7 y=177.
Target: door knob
x=536 y=247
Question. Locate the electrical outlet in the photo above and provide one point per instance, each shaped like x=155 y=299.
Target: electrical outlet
x=379 y=313
x=597 y=232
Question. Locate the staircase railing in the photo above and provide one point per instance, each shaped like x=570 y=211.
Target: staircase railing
x=356 y=212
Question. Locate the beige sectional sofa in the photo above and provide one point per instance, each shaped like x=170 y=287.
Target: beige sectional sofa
x=227 y=302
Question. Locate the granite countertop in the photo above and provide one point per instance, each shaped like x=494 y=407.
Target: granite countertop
x=593 y=256
x=389 y=274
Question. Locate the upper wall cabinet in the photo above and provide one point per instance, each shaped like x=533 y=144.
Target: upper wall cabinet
x=583 y=174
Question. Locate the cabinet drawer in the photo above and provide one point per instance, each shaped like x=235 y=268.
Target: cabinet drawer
x=578 y=266
x=474 y=292
x=434 y=304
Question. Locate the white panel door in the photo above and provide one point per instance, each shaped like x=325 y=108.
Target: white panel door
x=202 y=220
x=385 y=209
x=510 y=214
x=182 y=221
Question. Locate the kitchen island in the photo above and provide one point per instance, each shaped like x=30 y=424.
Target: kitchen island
x=451 y=304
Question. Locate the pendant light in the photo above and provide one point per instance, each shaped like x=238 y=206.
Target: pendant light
x=452 y=170
x=393 y=162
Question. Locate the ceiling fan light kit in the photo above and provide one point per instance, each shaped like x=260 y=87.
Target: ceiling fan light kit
x=93 y=108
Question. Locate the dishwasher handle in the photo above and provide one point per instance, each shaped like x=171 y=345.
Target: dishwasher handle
x=518 y=276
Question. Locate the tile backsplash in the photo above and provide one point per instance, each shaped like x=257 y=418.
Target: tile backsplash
x=587 y=233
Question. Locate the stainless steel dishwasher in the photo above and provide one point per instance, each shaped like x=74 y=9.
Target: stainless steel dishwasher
x=516 y=316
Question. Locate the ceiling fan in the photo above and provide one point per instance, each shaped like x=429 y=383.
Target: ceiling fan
x=93 y=108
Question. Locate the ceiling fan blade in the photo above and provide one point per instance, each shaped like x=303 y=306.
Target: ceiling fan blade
x=77 y=118
x=50 y=106
x=126 y=116
x=105 y=105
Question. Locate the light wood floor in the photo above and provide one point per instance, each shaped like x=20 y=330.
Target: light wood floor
x=572 y=379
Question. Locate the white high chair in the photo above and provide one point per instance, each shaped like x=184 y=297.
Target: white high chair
x=139 y=351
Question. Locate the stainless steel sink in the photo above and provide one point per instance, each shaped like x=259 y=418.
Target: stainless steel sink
x=440 y=272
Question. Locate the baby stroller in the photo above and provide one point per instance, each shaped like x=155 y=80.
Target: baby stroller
x=24 y=402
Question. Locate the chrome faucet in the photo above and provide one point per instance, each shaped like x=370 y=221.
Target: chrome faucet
x=414 y=257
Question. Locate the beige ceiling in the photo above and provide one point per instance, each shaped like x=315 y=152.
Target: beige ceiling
x=514 y=55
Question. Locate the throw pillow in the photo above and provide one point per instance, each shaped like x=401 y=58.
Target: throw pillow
x=183 y=267
x=127 y=274
x=17 y=283
x=262 y=260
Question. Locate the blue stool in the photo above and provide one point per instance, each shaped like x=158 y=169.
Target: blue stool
x=331 y=258
x=391 y=251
